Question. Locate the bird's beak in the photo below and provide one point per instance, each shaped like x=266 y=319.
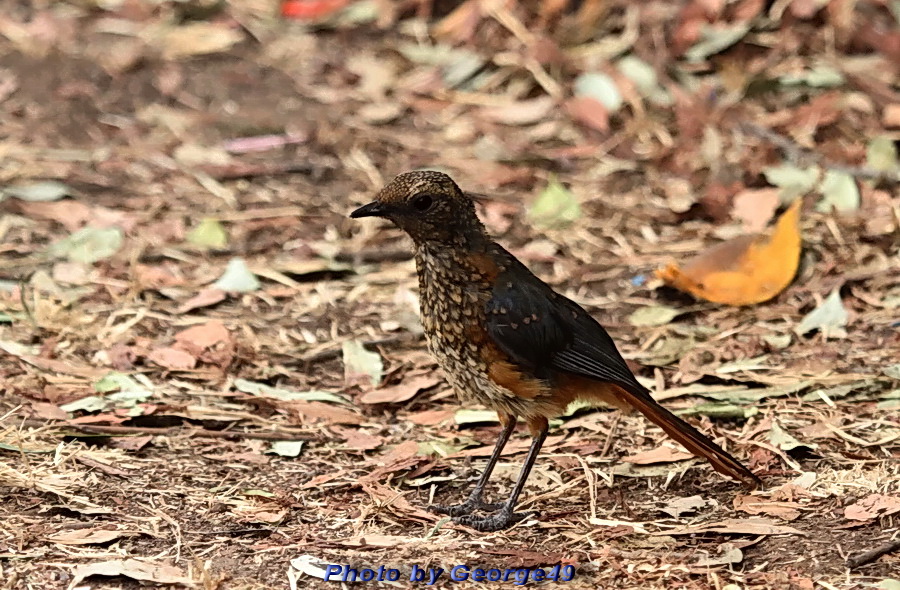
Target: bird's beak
x=373 y=209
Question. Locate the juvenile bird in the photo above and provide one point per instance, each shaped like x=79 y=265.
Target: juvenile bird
x=506 y=340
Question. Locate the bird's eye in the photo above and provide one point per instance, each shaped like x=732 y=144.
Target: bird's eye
x=423 y=202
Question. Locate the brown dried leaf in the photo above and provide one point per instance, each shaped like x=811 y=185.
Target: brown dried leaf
x=756 y=505
x=131 y=568
x=872 y=506
x=205 y=298
x=745 y=526
x=401 y=392
x=663 y=454
x=86 y=536
x=172 y=358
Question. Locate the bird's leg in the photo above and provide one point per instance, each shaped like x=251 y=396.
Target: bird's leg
x=505 y=517
x=474 y=501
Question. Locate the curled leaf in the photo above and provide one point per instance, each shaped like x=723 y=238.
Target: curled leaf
x=745 y=270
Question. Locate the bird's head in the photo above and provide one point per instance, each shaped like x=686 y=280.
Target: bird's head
x=428 y=206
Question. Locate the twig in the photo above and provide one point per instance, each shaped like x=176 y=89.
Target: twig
x=797 y=153
x=172 y=430
x=873 y=554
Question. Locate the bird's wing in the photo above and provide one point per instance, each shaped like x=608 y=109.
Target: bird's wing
x=547 y=332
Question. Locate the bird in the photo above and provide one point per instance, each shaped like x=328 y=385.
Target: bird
x=507 y=340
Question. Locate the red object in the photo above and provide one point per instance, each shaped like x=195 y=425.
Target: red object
x=310 y=9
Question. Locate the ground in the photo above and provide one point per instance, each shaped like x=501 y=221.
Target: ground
x=160 y=428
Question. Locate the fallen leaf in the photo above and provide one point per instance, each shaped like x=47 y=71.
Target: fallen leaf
x=735 y=526
x=401 y=392
x=727 y=555
x=663 y=454
x=881 y=153
x=744 y=270
x=839 y=192
x=756 y=505
x=716 y=39
x=131 y=568
x=359 y=441
x=784 y=441
x=87 y=536
x=320 y=412
x=359 y=362
x=829 y=318
x=205 y=298
x=309 y=565
x=653 y=315
x=522 y=112
x=467 y=416
x=554 y=207
x=285 y=394
x=755 y=207
x=286 y=448
x=209 y=233
x=675 y=508
x=88 y=245
x=172 y=358
x=237 y=278
x=589 y=112
x=196 y=38
x=792 y=180
x=48 y=190
x=203 y=336
x=872 y=506
x=601 y=88
x=430 y=417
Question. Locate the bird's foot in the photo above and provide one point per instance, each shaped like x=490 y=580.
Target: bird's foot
x=497 y=521
x=472 y=504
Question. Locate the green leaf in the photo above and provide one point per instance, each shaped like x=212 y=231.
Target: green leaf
x=115 y=381
x=286 y=448
x=359 y=361
x=91 y=403
x=792 y=180
x=88 y=245
x=555 y=207
x=888 y=584
x=881 y=154
x=237 y=278
x=784 y=441
x=288 y=395
x=820 y=76
x=839 y=191
x=601 y=88
x=15 y=449
x=653 y=315
x=209 y=234
x=715 y=39
x=48 y=190
x=829 y=318
x=892 y=371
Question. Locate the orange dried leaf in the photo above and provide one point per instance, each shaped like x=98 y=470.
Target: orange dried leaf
x=744 y=270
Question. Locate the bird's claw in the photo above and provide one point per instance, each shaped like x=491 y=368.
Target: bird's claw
x=497 y=521
x=472 y=504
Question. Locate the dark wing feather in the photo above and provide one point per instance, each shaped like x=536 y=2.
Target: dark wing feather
x=545 y=332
